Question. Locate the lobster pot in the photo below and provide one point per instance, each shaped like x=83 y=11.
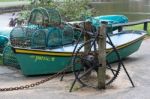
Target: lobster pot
x=29 y=32
x=54 y=38
x=17 y=37
x=45 y=17
x=22 y=36
x=67 y=35
x=39 y=39
x=60 y=36
x=9 y=58
x=54 y=17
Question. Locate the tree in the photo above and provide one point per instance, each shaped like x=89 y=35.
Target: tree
x=70 y=10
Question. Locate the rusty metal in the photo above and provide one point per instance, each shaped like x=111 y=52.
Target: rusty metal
x=22 y=87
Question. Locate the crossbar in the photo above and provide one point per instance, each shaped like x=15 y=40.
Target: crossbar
x=121 y=25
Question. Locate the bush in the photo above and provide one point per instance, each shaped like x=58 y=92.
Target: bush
x=70 y=10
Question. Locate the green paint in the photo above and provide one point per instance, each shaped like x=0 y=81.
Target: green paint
x=44 y=64
x=42 y=58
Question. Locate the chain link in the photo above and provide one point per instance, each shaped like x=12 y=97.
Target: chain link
x=32 y=84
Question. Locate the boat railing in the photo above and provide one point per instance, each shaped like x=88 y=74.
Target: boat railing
x=121 y=25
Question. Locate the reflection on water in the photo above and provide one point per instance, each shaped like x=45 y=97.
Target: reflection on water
x=133 y=9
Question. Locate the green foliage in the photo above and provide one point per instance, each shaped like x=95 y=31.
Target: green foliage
x=43 y=3
x=138 y=27
x=70 y=10
x=24 y=15
x=74 y=9
x=1 y=60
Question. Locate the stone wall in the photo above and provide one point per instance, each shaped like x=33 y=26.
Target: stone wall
x=11 y=9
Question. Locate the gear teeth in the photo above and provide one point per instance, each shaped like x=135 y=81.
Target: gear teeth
x=114 y=76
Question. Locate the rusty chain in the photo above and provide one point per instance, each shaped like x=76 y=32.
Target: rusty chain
x=36 y=83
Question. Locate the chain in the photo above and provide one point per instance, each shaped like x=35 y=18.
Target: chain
x=33 y=84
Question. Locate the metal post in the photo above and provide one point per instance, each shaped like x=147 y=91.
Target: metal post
x=120 y=28
x=145 y=26
x=102 y=56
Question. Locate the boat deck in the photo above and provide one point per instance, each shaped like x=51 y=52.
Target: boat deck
x=119 y=39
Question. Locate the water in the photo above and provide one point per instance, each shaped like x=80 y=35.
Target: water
x=133 y=9
x=4 y=19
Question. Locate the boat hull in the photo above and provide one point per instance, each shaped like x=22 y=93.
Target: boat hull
x=36 y=62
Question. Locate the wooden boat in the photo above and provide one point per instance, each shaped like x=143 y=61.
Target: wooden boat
x=47 y=61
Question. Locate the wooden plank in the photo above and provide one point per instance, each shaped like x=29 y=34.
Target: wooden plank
x=102 y=56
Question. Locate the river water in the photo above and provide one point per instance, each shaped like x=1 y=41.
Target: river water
x=4 y=19
x=133 y=9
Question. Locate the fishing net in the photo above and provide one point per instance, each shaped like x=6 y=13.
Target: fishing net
x=45 y=17
x=67 y=35
x=17 y=37
x=54 y=17
x=44 y=30
x=54 y=38
x=9 y=58
x=39 y=39
x=38 y=17
x=111 y=19
x=22 y=36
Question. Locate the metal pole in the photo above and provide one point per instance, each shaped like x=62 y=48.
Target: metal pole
x=145 y=26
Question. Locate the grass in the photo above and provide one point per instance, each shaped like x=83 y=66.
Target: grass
x=139 y=27
x=1 y=60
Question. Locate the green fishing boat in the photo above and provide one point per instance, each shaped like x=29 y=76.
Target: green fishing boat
x=46 y=44
x=52 y=60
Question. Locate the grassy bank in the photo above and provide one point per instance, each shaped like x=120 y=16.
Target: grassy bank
x=1 y=60
x=139 y=27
